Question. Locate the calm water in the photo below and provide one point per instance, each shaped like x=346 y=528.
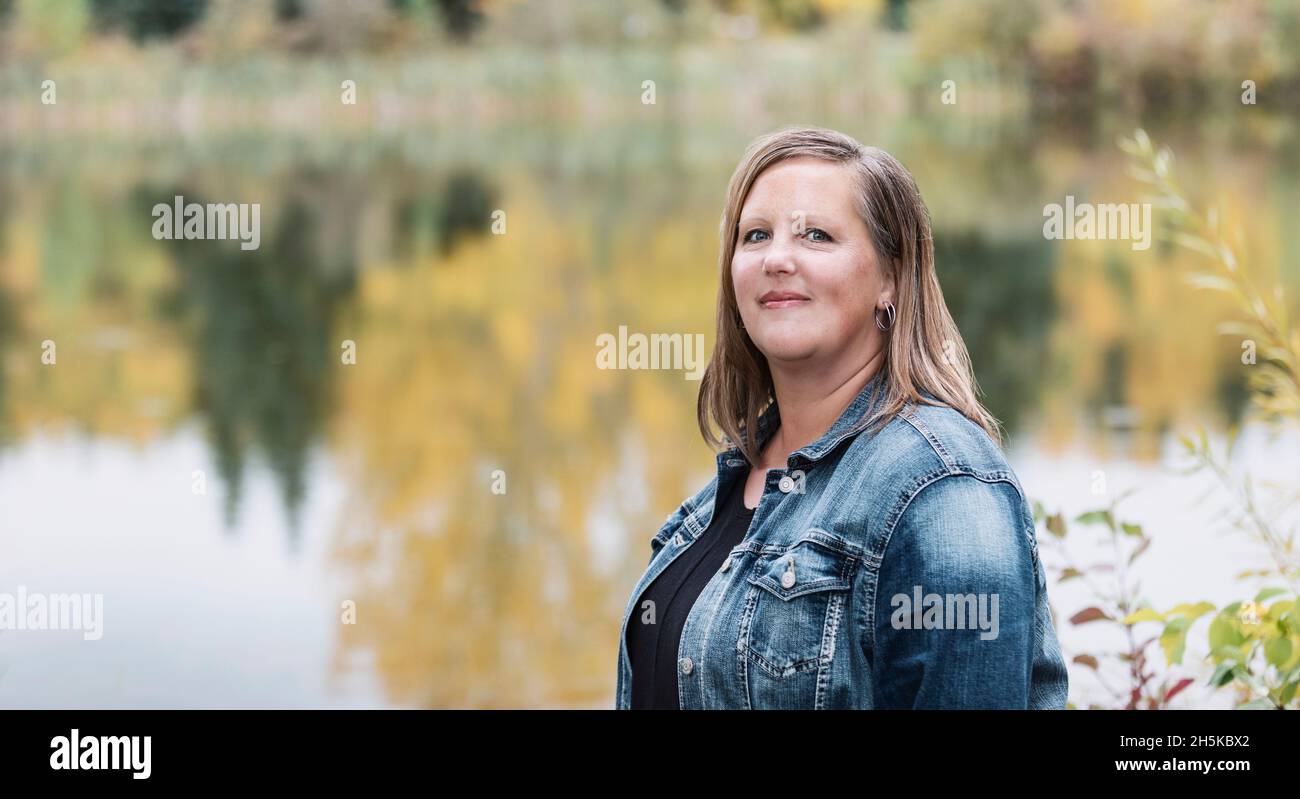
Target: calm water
x=201 y=456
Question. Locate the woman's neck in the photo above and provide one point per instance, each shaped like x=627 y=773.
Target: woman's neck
x=811 y=404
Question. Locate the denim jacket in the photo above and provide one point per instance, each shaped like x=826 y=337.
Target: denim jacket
x=888 y=568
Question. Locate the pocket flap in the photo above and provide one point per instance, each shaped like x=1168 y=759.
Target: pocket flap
x=805 y=567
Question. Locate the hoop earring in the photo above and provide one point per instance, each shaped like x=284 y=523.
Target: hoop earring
x=890 y=313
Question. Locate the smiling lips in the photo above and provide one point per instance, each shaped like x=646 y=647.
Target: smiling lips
x=782 y=299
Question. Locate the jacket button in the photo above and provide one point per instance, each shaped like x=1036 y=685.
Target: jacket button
x=787 y=578
x=786 y=485
x=687 y=666
x=677 y=539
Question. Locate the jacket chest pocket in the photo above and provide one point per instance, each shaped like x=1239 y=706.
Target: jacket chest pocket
x=795 y=605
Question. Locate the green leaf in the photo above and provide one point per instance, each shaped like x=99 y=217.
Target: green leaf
x=1096 y=517
x=1191 y=612
x=1269 y=593
x=1254 y=573
x=1279 y=609
x=1145 y=614
x=1258 y=704
x=1278 y=651
x=1222 y=675
x=1226 y=654
x=1174 y=639
x=1056 y=525
x=1224 y=632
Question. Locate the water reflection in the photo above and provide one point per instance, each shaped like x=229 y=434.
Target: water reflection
x=1001 y=294
x=262 y=326
x=475 y=356
x=445 y=215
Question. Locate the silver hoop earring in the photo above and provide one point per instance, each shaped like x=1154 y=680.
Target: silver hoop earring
x=890 y=313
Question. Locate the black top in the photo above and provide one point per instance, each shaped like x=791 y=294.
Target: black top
x=655 y=631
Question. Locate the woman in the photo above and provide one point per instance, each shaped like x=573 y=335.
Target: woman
x=867 y=546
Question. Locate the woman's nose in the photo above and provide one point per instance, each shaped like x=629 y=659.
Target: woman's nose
x=779 y=258
x=779 y=254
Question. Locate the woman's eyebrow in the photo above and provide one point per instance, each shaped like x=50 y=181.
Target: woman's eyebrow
x=810 y=219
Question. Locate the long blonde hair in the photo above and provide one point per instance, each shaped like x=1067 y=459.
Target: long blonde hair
x=925 y=351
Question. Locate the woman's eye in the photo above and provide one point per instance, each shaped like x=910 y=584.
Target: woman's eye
x=749 y=237
x=813 y=232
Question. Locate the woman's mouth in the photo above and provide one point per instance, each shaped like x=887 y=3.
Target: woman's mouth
x=782 y=299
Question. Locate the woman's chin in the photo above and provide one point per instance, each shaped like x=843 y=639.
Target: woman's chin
x=785 y=351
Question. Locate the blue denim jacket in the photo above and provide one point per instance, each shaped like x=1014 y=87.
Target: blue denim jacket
x=887 y=568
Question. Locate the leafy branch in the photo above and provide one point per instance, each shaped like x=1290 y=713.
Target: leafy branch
x=1253 y=644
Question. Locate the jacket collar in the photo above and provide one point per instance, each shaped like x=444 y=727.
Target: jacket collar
x=852 y=421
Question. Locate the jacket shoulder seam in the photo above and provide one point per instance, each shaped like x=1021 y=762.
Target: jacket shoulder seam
x=935 y=444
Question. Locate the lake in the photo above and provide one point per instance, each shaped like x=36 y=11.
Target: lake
x=472 y=487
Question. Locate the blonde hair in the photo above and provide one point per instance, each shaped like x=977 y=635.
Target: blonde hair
x=924 y=352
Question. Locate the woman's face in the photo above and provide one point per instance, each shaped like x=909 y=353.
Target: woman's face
x=805 y=272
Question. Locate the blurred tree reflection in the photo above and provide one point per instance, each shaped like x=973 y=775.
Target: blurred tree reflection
x=261 y=328
x=1001 y=296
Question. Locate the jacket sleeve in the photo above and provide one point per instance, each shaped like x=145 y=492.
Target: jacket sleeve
x=956 y=600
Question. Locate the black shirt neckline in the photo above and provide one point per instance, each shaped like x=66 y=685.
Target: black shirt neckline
x=653 y=645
